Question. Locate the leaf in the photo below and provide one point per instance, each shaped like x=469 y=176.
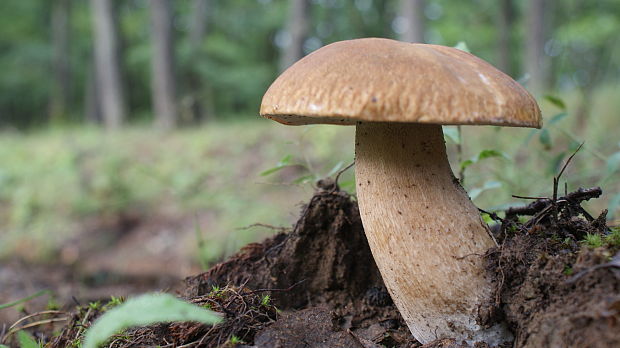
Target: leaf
x=484 y=154
x=145 y=310
x=555 y=100
x=558 y=117
x=545 y=138
x=25 y=299
x=461 y=45
x=466 y=163
x=452 y=134
x=489 y=185
x=26 y=341
x=283 y=163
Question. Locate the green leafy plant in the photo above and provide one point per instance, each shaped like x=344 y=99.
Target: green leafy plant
x=144 y=310
x=265 y=300
x=593 y=240
x=27 y=341
x=235 y=340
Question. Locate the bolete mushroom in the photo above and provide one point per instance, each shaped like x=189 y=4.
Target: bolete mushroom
x=426 y=235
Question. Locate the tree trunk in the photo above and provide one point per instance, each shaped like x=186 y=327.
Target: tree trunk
x=198 y=31
x=297 y=28
x=59 y=100
x=535 y=62
x=163 y=78
x=107 y=63
x=92 y=101
x=413 y=12
x=505 y=22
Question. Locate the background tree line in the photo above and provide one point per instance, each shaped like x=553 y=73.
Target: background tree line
x=174 y=62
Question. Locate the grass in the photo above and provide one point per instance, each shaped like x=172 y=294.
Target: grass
x=54 y=182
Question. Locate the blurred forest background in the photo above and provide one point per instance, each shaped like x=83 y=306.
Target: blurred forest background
x=174 y=63
x=130 y=142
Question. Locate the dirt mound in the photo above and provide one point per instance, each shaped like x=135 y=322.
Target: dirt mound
x=554 y=290
x=324 y=261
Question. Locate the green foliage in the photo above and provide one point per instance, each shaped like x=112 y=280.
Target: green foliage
x=238 y=57
x=557 y=101
x=54 y=182
x=265 y=300
x=613 y=238
x=145 y=310
x=610 y=240
x=27 y=341
x=282 y=163
x=593 y=240
x=235 y=340
x=484 y=154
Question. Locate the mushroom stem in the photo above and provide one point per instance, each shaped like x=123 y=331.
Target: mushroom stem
x=426 y=236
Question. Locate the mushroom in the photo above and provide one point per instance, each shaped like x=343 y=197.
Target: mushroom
x=426 y=235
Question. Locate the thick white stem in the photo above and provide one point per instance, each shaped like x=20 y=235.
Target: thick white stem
x=426 y=236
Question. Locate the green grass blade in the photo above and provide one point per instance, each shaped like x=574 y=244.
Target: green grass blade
x=25 y=299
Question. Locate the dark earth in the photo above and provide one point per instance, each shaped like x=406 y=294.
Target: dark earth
x=325 y=290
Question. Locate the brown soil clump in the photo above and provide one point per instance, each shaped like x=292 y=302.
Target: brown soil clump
x=323 y=262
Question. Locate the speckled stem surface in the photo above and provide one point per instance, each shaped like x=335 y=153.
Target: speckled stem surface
x=425 y=234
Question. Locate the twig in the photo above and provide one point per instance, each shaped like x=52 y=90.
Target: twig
x=342 y=171
x=574 y=197
x=527 y=197
x=615 y=263
x=278 y=290
x=34 y=315
x=493 y=215
x=568 y=161
x=33 y=324
x=275 y=228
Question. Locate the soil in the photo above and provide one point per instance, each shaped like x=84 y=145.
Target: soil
x=325 y=290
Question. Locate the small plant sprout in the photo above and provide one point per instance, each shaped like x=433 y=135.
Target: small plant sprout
x=593 y=240
x=235 y=340
x=424 y=232
x=265 y=300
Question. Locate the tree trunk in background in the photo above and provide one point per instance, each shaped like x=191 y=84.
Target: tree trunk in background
x=107 y=63
x=413 y=12
x=297 y=28
x=198 y=31
x=535 y=62
x=505 y=27
x=92 y=102
x=163 y=79
x=59 y=99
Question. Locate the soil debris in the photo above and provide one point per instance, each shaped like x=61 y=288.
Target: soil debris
x=536 y=264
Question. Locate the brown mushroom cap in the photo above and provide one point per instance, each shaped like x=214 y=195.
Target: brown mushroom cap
x=390 y=81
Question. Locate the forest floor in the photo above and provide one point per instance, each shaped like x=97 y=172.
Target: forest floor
x=557 y=284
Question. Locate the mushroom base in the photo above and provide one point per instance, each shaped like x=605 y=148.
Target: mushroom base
x=426 y=236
